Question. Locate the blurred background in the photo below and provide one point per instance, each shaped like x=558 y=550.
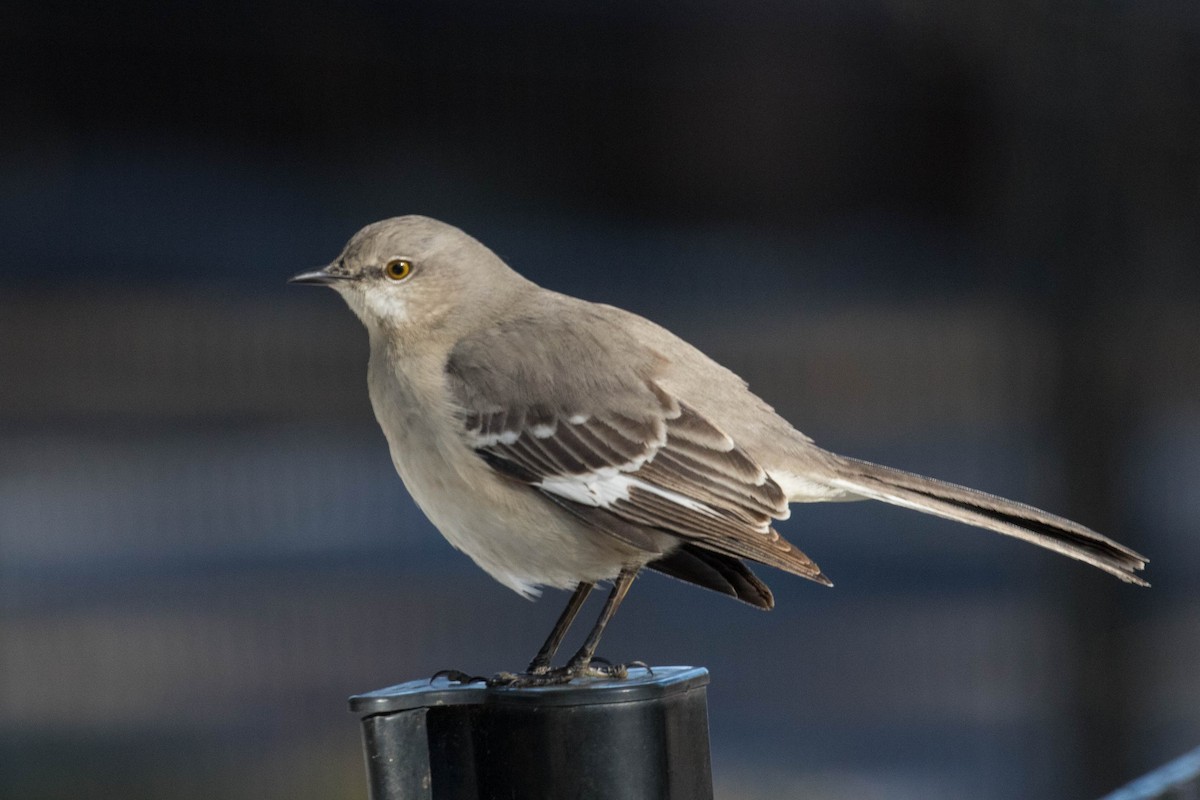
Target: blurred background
x=957 y=238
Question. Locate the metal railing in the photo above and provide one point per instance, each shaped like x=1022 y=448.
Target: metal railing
x=1176 y=780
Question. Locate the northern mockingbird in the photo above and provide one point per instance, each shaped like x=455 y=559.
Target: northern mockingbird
x=562 y=443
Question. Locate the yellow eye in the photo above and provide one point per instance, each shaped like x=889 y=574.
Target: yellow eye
x=398 y=269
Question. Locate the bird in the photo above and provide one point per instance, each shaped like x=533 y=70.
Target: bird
x=561 y=443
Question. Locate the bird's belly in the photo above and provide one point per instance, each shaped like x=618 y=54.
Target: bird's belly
x=517 y=536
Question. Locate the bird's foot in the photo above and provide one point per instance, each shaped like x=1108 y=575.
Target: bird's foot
x=620 y=672
x=539 y=675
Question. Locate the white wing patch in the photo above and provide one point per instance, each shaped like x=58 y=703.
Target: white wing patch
x=604 y=488
x=492 y=439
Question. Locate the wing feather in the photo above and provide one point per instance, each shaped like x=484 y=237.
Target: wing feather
x=592 y=430
x=676 y=473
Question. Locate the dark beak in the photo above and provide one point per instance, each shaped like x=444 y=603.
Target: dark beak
x=318 y=277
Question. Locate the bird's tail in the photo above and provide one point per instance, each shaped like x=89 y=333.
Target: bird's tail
x=876 y=482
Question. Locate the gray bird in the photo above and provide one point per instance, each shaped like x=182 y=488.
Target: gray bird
x=562 y=443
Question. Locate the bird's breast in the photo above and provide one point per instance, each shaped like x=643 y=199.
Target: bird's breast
x=519 y=537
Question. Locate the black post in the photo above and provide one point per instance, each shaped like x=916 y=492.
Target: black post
x=645 y=737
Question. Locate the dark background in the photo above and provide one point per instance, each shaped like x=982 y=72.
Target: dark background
x=959 y=238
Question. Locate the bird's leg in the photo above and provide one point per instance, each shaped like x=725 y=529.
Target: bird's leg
x=540 y=673
x=541 y=662
x=539 y=668
x=581 y=662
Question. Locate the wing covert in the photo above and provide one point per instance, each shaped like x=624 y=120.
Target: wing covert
x=630 y=457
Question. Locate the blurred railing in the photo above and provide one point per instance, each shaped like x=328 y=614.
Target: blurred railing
x=1178 y=780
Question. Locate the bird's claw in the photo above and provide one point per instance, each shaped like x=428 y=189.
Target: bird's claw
x=557 y=676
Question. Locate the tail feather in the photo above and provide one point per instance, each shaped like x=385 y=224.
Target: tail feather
x=716 y=571
x=988 y=511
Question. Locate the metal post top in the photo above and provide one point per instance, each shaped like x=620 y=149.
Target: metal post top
x=642 y=684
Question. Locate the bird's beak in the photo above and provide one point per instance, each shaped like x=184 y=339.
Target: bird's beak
x=318 y=277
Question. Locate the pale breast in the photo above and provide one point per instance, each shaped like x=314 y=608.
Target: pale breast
x=519 y=537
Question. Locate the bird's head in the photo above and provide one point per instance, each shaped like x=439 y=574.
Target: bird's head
x=414 y=277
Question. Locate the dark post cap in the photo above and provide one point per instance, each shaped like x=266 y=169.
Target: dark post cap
x=641 y=684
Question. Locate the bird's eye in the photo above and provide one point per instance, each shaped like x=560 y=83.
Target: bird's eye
x=398 y=269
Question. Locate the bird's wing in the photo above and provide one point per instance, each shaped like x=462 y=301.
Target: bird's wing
x=584 y=423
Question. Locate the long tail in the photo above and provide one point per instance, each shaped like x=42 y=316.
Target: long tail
x=973 y=507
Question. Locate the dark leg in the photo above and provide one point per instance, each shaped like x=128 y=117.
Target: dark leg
x=540 y=673
x=582 y=660
x=541 y=662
